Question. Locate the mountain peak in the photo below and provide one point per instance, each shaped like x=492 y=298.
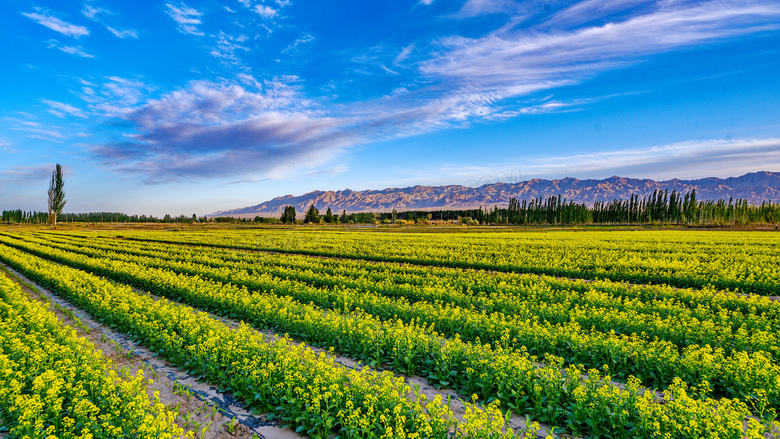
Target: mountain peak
x=755 y=187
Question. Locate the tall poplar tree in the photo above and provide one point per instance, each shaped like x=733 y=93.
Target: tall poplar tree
x=56 y=195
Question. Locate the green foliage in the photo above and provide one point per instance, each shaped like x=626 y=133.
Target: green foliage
x=55 y=384
x=288 y=215
x=312 y=215
x=518 y=342
x=56 y=194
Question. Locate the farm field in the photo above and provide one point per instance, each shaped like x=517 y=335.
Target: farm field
x=370 y=334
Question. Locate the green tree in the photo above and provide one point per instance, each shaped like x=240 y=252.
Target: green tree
x=56 y=195
x=312 y=215
x=288 y=215
x=329 y=216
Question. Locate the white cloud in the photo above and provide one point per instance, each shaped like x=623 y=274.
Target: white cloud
x=56 y=24
x=186 y=17
x=304 y=39
x=510 y=63
x=694 y=159
x=336 y=170
x=589 y=10
x=59 y=108
x=123 y=33
x=215 y=129
x=51 y=134
x=254 y=126
x=114 y=96
x=265 y=11
x=383 y=67
x=405 y=52
x=40 y=173
x=226 y=47
x=92 y=12
x=73 y=50
x=478 y=7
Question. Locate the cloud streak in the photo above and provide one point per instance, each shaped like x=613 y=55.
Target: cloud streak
x=57 y=25
x=694 y=159
x=186 y=17
x=73 y=50
x=59 y=109
x=92 y=13
x=27 y=173
x=509 y=63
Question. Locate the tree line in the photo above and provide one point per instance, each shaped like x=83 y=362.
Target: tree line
x=35 y=217
x=660 y=207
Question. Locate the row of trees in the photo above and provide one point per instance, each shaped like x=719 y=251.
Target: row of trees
x=34 y=217
x=660 y=207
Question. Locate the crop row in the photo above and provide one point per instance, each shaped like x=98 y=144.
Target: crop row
x=522 y=299
x=54 y=383
x=725 y=260
x=755 y=309
x=289 y=381
x=548 y=392
x=656 y=362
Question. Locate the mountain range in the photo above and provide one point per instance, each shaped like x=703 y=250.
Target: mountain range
x=755 y=187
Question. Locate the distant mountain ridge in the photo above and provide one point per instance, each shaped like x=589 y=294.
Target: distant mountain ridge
x=756 y=187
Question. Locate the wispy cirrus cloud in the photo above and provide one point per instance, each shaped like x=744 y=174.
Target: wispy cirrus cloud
x=25 y=173
x=509 y=63
x=694 y=159
x=60 y=109
x=36 y=130
x=298 y=43
x=91 y=12
x=96 y=14
x=47 y=19
x=51 y=134
x=265 y=11
x=113 y=96
x=73 y=50
x=405 y=52
x=479 y=7
x=254 y=127
x=123 y=33
x=591 y=10
x=227 y=46
x=186 y=17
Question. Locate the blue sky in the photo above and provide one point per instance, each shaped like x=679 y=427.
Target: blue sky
x=197 y=106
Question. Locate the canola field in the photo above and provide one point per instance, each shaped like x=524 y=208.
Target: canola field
x=615 y=334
